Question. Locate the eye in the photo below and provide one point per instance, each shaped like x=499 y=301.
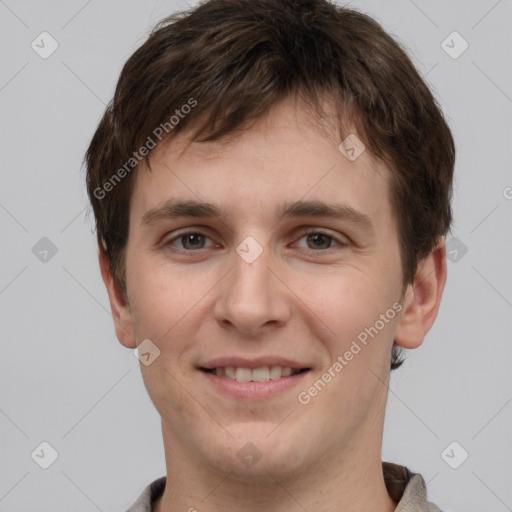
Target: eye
x=190 y=240
x=321 y=240
x=317 y=240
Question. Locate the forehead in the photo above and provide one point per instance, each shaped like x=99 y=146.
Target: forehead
x=287 y=155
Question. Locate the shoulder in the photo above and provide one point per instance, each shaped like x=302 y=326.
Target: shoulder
x=149 y=496
x=407 y=489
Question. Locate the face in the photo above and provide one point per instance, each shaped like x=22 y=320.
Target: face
x=253 y=293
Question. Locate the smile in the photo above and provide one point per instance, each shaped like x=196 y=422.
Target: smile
x=261 y=374
x=263 y=382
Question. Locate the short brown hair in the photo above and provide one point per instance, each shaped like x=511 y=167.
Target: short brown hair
x=232 y=60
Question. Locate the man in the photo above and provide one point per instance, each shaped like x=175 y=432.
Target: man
x=271 y=186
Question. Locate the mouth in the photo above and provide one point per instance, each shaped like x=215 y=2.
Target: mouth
x=260 y=374
x=253 y=384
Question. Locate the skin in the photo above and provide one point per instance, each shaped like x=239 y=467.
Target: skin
x=298 y=299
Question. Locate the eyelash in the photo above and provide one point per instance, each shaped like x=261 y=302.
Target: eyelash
x=310 y=231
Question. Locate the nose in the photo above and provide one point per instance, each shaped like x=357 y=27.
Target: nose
x=253 y=296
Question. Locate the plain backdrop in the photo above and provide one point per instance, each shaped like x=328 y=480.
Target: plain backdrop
x=65 y=379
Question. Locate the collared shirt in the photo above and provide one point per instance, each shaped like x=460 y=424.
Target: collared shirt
x=405 y=488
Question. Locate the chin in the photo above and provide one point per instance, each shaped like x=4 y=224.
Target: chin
x=259 y=453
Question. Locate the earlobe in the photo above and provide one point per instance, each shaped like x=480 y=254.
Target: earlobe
x=422 y=299
x=120 y=308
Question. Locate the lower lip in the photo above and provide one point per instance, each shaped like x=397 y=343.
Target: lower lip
x=253 y=390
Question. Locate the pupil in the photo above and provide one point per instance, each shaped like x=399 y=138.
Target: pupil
x=316 y=237
x=190 y=238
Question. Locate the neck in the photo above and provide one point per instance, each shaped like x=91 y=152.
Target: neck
x=348 y=479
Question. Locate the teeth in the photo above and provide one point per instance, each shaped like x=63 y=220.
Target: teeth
x=276 y=372
x=286 y=372
x=243 y=374
x=262 y=374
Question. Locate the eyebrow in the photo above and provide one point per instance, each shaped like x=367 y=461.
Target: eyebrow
x=176 y=208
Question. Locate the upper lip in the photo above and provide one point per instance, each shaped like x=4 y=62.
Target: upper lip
x=256 y=362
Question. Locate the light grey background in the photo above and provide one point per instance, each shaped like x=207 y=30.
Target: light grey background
x=64 y=377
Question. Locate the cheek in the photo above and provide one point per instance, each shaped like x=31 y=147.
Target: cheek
x=349 y=302
x=161 y=297
x=362 y=313
x=170 y=395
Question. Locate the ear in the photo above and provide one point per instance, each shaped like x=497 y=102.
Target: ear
x=120 y=308
x=422 y=299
